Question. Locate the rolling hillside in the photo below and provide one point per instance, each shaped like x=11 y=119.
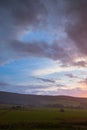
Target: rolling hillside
x=42 y=101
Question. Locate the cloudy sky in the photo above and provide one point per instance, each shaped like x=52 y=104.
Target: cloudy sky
x=43 y=47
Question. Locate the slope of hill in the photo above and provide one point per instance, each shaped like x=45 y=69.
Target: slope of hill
x=42 y=101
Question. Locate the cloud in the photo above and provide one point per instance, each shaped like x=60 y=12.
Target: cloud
x=46 y=80
x=57 y=89
x=17 y=49
x=23 y=12
x=40 y=49
x=56 y=69
x=70 y=75
x=3 y=84
x=76 y=26
x=76 y=92
x=84 y=82
x=24 y=88
x=81 y=63
x=32 y=89
x=17 y=16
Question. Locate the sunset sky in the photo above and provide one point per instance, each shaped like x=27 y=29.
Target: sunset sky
x=43 y=47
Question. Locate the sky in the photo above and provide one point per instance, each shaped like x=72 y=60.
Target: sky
x=43 y=47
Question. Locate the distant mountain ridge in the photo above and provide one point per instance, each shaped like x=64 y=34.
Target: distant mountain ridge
x=42 y=101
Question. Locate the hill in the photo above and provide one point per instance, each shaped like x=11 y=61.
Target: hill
x=42 y=101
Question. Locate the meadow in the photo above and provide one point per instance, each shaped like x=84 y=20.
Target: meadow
x=43 y=119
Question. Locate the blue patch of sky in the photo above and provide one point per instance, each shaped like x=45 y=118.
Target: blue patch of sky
x=42 y=35
x=37 y=36
x=20 y=71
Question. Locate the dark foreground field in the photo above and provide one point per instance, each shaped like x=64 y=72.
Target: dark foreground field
x=43 y=119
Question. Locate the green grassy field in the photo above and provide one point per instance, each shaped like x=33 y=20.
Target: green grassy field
x=43 y=119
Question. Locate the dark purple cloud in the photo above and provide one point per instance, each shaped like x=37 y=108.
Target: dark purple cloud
x=76 y=26
x=17 y=49
x=16 y=16
x=70 y=75
x=19 y=15
x=3 y=84
x=23 y=12
x=42 y=49
x=81 y=63
x=46 y=80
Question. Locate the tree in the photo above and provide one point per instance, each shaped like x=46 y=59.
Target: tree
x=62 y=110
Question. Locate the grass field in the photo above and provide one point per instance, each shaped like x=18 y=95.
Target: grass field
x=43 y=119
